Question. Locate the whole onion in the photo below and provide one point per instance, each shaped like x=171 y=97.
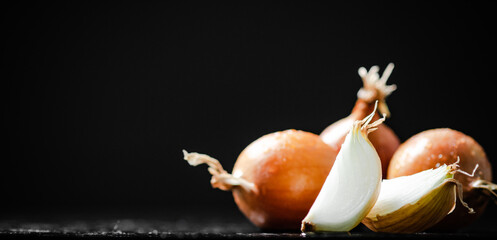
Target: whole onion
x=374 y=89
x=276 y=178
x=435 y=147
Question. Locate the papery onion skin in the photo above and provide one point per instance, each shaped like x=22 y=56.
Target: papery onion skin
x=288 y=169
x=384 y=140
x=431 y=149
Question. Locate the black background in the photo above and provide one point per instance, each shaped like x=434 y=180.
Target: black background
x=99 y=97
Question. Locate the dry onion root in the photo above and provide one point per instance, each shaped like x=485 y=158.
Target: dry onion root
x=374 y=89
x=276 y=178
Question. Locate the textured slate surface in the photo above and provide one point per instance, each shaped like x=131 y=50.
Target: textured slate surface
x=194 y=224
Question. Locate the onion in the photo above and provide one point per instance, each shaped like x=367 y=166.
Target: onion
x=276 y=178
x=384 y=139
x=435 y=147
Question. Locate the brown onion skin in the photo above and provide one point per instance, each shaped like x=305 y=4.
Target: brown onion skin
x=288 y=169
x=384 y=140
x=435 y=147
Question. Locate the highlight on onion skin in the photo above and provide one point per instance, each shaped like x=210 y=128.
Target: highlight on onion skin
x=435 y=147
x=276 y=178
x=374 y=89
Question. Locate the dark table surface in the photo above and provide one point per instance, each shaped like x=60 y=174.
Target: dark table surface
x=192 y=223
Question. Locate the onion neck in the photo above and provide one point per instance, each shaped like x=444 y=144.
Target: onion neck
x=363 y=108
x=220 y=178
x=374 y=89
x=365 y=126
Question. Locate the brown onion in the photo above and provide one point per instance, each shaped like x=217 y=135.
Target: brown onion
x=375 y=89
x=276 y=178
x=435 y=147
